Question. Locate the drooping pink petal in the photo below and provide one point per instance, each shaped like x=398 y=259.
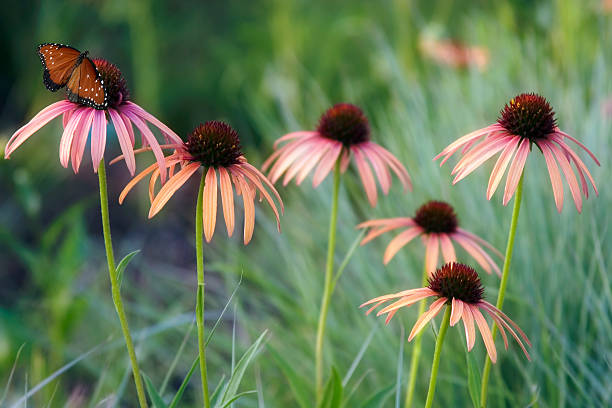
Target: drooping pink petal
x=500 y=166
x=148 y=136
x=124 y=140
x=227 y=198
x=590 y=153
x=395 y=165
x=173 y=137
x=500 y=325
x=294 y=135
x=493 y=309
x=345 y=160
x=427 y=316
x=98 y=138
x=171 y=186
x=403 y=302
x=314 y=153
x=129 y=186
x=390 y=316
x=68 y=135
x=403 y=293
x=265 y=180
x=488 y=151
x=480 y=148
x=479 y=240
x=297 y=155
x=484 y=332
x=210 y=203
x=41 y=119
x=553 y=172
x=448 y=251
x=569 y=175
x=327 y=162
x=516 y=170
x=80 y=139
x=399 y=241
x=431 y=253
x=397 y=221
x=379 y=166
x=249 y=207
x=66 y=117
x=462 y=141
x=365 y=173
x=375 y=232
x=245 y=171
x=493 y=312
x=579 y=163
x=311 y=163
x=477 y=253
x=468 y=324
x=456 y=311
x=128 y=126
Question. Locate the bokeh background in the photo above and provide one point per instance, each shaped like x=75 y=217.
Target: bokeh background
x=425 y=73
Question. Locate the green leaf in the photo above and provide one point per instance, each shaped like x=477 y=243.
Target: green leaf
x=234 y=381
x=300 y=388
x=217 y=392
x=378 y=399
x=181 y=390
x=332 y=396
x=123 y=264
x=238 y=396
x=156 y=399
x=473 y=378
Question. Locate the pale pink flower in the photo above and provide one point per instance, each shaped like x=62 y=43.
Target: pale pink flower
x=525 y=121
x=214 y=147
x=454 y=53
x=343 y=133
x=458 y=286
x=436 y=223
x=79 y=120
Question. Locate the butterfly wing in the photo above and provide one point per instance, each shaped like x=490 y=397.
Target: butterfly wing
x=58 y=61
x=86 y=87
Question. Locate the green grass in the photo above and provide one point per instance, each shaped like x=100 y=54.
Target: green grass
x=269 y=70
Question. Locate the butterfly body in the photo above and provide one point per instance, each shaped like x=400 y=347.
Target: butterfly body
x=65 y=66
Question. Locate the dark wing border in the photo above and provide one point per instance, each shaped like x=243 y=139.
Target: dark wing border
x=49 y=84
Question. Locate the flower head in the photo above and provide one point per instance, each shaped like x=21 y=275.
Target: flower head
x=436 y=222
x=80 y=119
x=343 y=133
x=215 y=147
x=458 y=286
x=526 y=120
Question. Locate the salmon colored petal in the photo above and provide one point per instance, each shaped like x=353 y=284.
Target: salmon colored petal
x=148 y=136
x=398 y=242
x=553 y=172
x=468 y=324
x=434 y=309
x=579 y=163
x=397 y=222
x=492 y=308
x=249 y=208
x=379 y=166
x=480 y=148
x=124 y=140
x=326 y=164
x=296 y=156
x=227 y=198
x=590 y=153
x=462 y=170
x=310 y=164
x=500 y=166
x=431 y=253
x=80 y=139
x=448 y=251
x=313 y=154
x=67 y=136
x=366 y=175
x=135 y=180
x=390 y=316
x=484 y=332
x=481 y=241
x=462 y=141
x=210 y=203
x=404 y=293
x=500 y=325
x=375 y=232
x=98 y=138
x=569 y=175
x=478 y=255
x=403 y=302
x=146 y=116
x=171 y=186
x=516 y=170
x=503 y=324
x=456 y=311
x=295 y=135
x=245 y=171
x=396 y=166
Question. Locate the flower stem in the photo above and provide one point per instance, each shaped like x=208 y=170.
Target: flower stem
x=200 y=293
x=436 y=359
x=327 y=290
x=416 y=350
x=115 y=290
x=502 y=286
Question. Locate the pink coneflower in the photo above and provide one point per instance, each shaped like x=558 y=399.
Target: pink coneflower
x=526 y=120
x=343 y=132
x=436 y=222
x=458 y=286
x=453 y=53
x=215 y=147
x=79 y=119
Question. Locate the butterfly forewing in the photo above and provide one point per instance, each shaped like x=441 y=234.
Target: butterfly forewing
x=86 y=87
x=59 y=61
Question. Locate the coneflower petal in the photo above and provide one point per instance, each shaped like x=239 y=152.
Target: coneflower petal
x=124 y=140
x=68 y=135
x=590 y=153
x=366 y=176
x=485 y=332
x=395 y=165
x=310 y=157
x=210 y=203
x=516 y=170
x=431 y=253
x=500 y=166
x=462 y=141
x=505 y=317
x=98 y=138
x=311 y=163
x=399 y=241
x=404 y=301
x=403 y=293
x=468 y=324
x=375 y=232
x=148 y=136
x=553 y=172
x=80 y=139
x=249 y=207
x=135 y=181
x=500 y=325
x=569 y=175
x=380 y=168
x=128 y=127
x=579 y=163
x=477 y=151
x=296 y=155
x=489 y=150
x=327 y=162
x=456 y=311
x=448 y=251
x=479 y=240
x=245 y=171
x=397 y=221
x=477 y=253
x=171 y=186
x=227 y=199
x=434 y=309
x=493 y=311
x=294 y=135
x=173 y=137
x=265 y=180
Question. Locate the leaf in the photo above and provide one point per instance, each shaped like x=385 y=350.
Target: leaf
x=296 y=383
x=156 y=399
x=217 y=392
x=181 y=390
x=238 y=396
x=473 y=378
x=378 y=399
x=332 y=396
x=234 y=381
x=123 y=264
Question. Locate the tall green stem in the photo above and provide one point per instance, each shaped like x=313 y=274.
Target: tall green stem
x=200 y=293
x=416 y=348
x=327 y=290
x=112 y=271
x=502 y=286
x=436 y=360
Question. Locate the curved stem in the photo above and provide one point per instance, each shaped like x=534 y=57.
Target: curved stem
x=436 y=359
x=327 y=290
x=200 y=292
x=502 y=286
x=115 y=290
x=416 y=350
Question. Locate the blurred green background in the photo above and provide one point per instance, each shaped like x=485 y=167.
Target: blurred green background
x=270 y=67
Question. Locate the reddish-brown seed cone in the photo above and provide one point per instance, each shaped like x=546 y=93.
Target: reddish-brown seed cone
x=115 y=85
x=345 y=123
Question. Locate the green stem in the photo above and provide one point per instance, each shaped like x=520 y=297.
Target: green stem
x=327 y=290
x=436 y=359
x=502 y=286
x=416 y=351
x=200 y=293
x=112 y=271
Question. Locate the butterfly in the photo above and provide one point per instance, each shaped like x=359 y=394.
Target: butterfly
x=66 y=66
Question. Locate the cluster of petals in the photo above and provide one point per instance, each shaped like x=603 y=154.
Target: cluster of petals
x=480 y=145
x=79 y=120
x=246 y=179
x=433 y=242
x=309 y=150
x=470 y=313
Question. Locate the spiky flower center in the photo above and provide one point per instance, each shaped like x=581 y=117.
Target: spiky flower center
x=115 y=85
x=345 y=123
x=436 y=217
x=459 y=281
x=214 y=144
x=528 y=115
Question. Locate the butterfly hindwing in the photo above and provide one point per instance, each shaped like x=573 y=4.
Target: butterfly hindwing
x=59 y=61
x=86 y=87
